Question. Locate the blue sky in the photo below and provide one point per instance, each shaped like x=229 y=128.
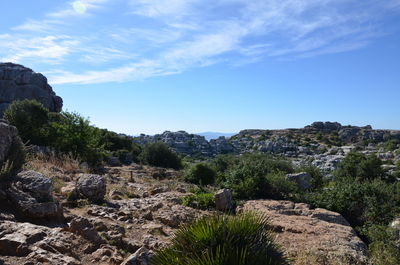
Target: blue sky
x=224 y=65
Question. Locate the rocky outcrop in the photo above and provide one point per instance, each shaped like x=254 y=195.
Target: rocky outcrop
x=141 y=257
x=30 y=193
x=8 y=138
x=18 y=82
x=315 y=236
x=91 y=187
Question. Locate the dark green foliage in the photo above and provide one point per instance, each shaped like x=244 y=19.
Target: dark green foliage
x=200 y=199
x=361 y=202
x=31 y=119
x=159 y=155
x=14 y=159
x=247 y=175
x=121 y=146
x=383 y=248
x=360 y=167
x=245 y=239
x=200 y=174
x=73 y=134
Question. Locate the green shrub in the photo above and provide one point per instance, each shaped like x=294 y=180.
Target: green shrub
x=71 y=133
x=200 y=200
x=31 y=119
x=360 y=167
x=246 y=175
x=200 y=174
x=361 y=202
x=245 y=239
x=159 y=155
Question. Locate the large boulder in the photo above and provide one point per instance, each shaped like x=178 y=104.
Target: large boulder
x=223 y=200
x=36 y=184
x=91 y=187
x=18 y=83
x=302 y=179
x=311 y=236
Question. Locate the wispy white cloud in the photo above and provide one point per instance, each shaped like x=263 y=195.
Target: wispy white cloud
x=167 y=37
x=49 y=49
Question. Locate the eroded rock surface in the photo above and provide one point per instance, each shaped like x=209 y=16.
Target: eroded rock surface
x=18 y=82
x=312 y=234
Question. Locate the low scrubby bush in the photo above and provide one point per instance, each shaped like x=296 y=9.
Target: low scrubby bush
x=200 y=200
x=158 y=154
x=200 y=174
x=245 y=239
x=247 y=175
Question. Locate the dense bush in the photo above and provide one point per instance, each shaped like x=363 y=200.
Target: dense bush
x=245 y=239
x=360 y=167
x=254 y=176
x=200 y=199
x=72 y=133
x=159 y=155
x=200 y=173
x=31 y=119
x=66 y=132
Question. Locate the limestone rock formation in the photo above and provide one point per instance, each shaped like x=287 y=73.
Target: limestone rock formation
x=315 y=236
x=91 y=187
x=8 y=137
x=18 y=82
x=223 y=200
x=302 y=179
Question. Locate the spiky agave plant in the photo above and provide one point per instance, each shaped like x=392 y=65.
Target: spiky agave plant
x=244 y=239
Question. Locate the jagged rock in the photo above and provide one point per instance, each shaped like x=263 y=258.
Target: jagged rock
x=223 y=200
x=8 y=137
x=91 y=187
x=30 y=194
x=83 y=227
x=18 y=82
x=36 y=184
x=141 y=257
x=37 y=244
x=302 y=179
x=304 y=232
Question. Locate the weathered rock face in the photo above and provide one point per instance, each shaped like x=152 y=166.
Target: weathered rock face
x=223 y=200
x=18 y=82
x=318 y=235
x=8 y=135
x=37 y=185
x=91 y=187
x=141 y=257
x=31 y=197
x=302 y=179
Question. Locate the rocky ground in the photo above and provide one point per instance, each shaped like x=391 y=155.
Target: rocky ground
x=139 y=214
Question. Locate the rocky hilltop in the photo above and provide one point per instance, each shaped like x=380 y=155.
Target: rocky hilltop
x=18 y=82
x=322 y=143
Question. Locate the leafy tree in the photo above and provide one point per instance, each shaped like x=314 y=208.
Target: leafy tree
x=31 y=119
x=159 y=155
x=71 y=133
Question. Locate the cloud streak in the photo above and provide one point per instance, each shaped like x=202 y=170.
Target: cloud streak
x=170 y=37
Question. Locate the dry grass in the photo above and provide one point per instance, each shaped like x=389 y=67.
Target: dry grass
x=52 y=163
